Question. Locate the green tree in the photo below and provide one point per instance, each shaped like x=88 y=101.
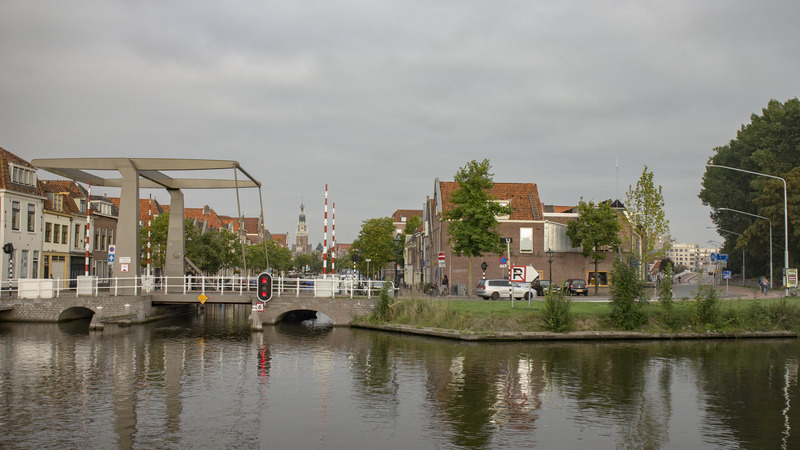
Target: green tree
x=596 y=229
x=473 y=219
x=645 y=205
x=158 y=241
x=412 y=224
x=375 y=242
x=769 y=145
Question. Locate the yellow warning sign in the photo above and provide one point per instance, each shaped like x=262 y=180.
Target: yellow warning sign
x=202 y=298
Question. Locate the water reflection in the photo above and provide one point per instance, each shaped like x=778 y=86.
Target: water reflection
x=207 y=380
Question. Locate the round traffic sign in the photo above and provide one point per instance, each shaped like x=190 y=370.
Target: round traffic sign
x=441 y=256
x=503 y=260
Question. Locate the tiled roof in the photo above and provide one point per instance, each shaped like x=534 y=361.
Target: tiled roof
x=280 y=239
x=407 y=213
x=204 y=215
x=51 y=187
x=6 y=158
x=146 y=206
x=524 y=198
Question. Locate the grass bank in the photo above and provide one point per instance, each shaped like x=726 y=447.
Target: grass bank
x=682 y=316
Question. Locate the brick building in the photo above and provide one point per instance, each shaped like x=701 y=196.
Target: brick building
x=533 y=228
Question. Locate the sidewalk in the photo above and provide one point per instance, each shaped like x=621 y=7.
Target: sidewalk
x=747 y=292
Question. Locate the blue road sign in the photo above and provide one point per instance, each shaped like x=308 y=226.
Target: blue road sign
x=726 y=274
x=722 y=257
x=111 y=257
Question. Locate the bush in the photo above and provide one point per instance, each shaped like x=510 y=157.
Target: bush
x=628 y=296
x=381 y=311
x=556 y=316
x=665 y=290
x=706 y=307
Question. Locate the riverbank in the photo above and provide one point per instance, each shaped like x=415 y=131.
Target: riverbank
x=472 y=320
x=571 y=336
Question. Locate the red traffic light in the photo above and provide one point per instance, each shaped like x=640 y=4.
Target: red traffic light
x=264 y=287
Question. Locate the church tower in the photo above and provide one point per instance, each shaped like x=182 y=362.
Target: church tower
x=301 y=242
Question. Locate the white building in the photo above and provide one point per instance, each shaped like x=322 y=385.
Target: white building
x=21 y=230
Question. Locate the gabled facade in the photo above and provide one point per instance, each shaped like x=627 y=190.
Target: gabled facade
x=64 y=221
x=23 y=204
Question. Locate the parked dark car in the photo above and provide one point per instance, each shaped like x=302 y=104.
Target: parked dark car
x=541 y=286
x=575 y=287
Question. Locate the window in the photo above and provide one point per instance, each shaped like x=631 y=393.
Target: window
x=503 y=203
x=526 y=240
x=64 y=231
x=76 y=236
x=22 y=175
x=97 y=238
x=602 y=278
x=48 y=232
x=58 y=202
x=56 y=232
x=15 y=216
x=23 y=264
x=31 y=217
x=35 y=265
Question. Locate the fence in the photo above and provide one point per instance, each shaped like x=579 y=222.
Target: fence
x=189 y=284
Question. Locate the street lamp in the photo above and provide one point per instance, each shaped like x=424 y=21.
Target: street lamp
x=549 y=254
x=785 y=219
x=770 y=237
x=397 y=241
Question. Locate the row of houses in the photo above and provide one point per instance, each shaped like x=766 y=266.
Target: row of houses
x=534 y=229
x=44 y=224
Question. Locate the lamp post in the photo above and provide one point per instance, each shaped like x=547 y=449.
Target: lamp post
x=368 y=260
x=549 y=254
x=397 y=241
x=770 y=237
x=785 y=219
x=716 y=264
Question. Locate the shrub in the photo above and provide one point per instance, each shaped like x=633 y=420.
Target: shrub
x=665 y=290
x=706 y=306
x=628 y=297
x=556 y=316
x=381 y=311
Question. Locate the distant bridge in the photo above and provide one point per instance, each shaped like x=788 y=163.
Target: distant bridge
x=151 y=298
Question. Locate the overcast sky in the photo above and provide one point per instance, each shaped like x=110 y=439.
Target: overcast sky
x=379 y=98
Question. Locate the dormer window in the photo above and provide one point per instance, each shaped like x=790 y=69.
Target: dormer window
x=503 y=203
x=23 y=176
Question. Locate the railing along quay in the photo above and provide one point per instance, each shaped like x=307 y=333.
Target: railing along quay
x=188 y=285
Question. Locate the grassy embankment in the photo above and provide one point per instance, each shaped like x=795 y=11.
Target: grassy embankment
x=685 y=316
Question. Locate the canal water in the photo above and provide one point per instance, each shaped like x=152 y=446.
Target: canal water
x=207 y=381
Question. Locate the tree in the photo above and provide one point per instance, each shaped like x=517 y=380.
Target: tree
x=473 y=219
x=767 y=145
x=412 y=224
x=375 y=242
x=158 y=241
x=645 y=206
x=596 y=229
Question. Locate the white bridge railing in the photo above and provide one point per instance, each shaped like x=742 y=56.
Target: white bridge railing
x=189 y=285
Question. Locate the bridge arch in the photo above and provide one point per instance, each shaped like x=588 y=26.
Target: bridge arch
x=340 y=310
x=75 y=313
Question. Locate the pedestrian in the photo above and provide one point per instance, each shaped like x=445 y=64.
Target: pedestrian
x=762 y=282
x=445 y=286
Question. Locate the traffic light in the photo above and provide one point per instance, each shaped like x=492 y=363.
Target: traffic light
x=264 y=285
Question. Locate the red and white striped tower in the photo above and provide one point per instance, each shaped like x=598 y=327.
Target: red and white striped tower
x=325 y=239
x=333 y=241
x=149 y=227
x=88 y=223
